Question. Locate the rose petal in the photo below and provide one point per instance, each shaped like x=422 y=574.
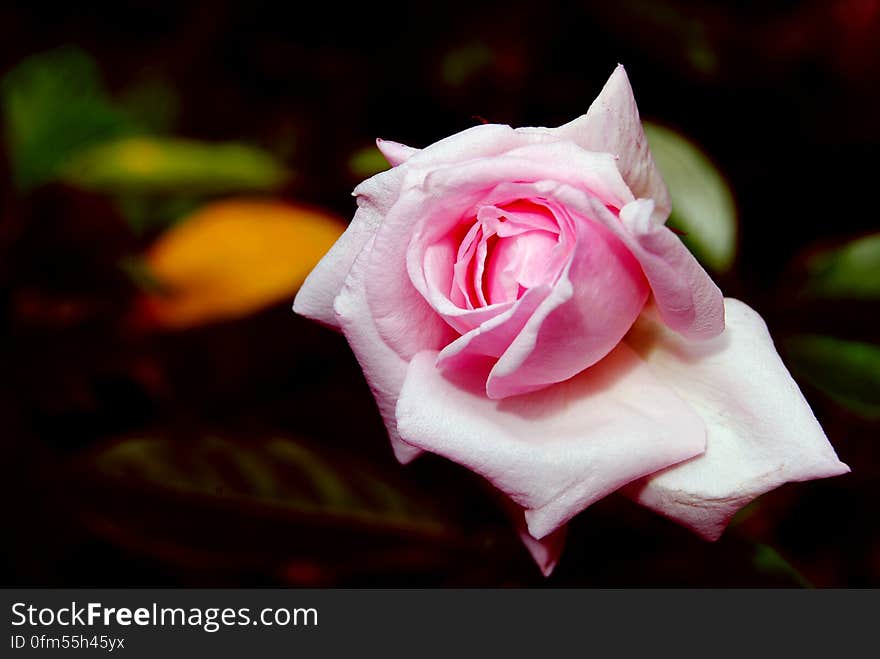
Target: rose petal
x=580 y=322
x=494 y=336
x=558 y=450
x=612 y=125
x=395 y=152
x=404 y=319
x=374 y=197
x=449 y=193
x=761 y=431
x=688 y=299
x=566 y=162
x=481 y=141
x=438 y=277
x=378 y=194
x=546 y=551
x=383 y=368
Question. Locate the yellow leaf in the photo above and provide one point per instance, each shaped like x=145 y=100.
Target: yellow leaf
x=233 y=257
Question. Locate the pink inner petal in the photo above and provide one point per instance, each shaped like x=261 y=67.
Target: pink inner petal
x=461 y=293
x=520 y=262
x=517 y=247
x=479 y=270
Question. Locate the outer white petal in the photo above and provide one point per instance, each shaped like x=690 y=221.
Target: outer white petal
x=554 y=451
x=612 y=125
x=374 y=197
x=395 y=152
x=762 y=432
x=547 y=550
x=383 y=368
x=377 y=195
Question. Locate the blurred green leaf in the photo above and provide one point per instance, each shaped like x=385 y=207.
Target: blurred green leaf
x=287 y=498
x=276 y=472
x=851 y=271
x=215 y=467
x=461 y=64
x=146 y=165
x=769 y=561
x=54 y=104
x=848 y=371
x=366 y=162
x=702 y=203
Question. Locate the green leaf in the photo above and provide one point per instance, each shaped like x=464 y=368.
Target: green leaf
x=273 y=472
x=463 y=63
x=54 y=104
x=252 y=505
x=769 y=561
x=145 y=165
x=367 y=162
x=848 y=371
x=702 y=203
x=851 y=271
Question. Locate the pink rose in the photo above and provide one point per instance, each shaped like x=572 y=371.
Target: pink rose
x=519 y=307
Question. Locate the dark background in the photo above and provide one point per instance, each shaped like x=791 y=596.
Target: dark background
x=783 y=97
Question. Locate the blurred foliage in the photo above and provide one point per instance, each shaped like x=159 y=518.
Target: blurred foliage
x=850 y=271
x=366 y=162
x=54 y=104
x=234 y=257
x=848 y=371
x=464 y=62
x=61 y=124
x=770 y=561
x=151 y=166
x=276 y=472
x=268 y=505
x=702 y=203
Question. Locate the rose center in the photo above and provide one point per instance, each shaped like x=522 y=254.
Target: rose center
x=505 y=250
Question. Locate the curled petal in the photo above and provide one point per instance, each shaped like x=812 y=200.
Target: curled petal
x=761 y=431
x=554 y=451
x=579 y=322
x=494 y=336
x=612 y=125
x=481 y=141
x=395 y=152
x=687 y=298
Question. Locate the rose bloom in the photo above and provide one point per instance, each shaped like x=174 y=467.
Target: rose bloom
x=518 y=306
